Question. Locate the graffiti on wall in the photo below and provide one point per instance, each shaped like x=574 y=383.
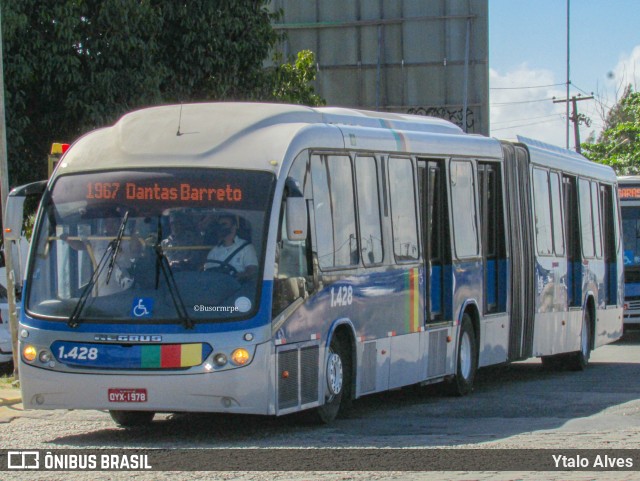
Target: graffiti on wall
x=452 y=115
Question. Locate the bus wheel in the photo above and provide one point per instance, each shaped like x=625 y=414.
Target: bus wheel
x=130 y=419
x=578 y=360
x=467 y=363
x=338 y=382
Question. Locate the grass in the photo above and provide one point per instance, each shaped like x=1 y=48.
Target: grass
x=6 y=377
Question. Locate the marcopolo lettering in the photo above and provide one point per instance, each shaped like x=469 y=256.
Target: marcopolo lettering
x=126 y=338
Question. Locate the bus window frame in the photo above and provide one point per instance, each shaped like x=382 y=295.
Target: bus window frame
x=379 y=187
x=313 y=217
x=416 y=212
x=452 y=216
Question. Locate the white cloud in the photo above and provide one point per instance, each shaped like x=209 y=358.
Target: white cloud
x=521 y=103
x=627 y=71
x=532 y=113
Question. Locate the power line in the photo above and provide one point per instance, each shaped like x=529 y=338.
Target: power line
x=598 y=98
x=521 y=125
x=529 y=118
x=528 y=87
x=576 y=118
x=522 y=102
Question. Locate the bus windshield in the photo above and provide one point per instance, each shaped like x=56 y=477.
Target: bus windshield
x=631 y=233
x=163 y=245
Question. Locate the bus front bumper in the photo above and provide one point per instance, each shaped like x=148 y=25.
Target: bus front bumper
x=245 y=390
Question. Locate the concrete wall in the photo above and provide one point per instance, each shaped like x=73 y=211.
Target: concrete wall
x=396 y=55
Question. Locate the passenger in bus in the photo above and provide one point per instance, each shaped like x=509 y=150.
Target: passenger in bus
x=182 y=247
x=233 y=255
x=99 y=246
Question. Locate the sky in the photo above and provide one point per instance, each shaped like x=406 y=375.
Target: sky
x=528 y=64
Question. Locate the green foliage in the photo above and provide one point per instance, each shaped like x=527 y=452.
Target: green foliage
x=71 y=66
x=292 y=82
x=618 y=145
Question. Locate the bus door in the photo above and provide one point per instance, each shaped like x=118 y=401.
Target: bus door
x=608 y=209
x=435 y=237
x=438 y=288
x=573 y=242
x=493 y=238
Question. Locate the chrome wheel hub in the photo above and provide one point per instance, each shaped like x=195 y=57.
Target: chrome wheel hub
x=465 y=356
x=334 y=374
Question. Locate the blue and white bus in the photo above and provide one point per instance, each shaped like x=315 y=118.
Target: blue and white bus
x=329 y=253
x=629 y=192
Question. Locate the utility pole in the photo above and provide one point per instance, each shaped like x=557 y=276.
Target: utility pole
x=575 y=117
x=4 y=187
x=568 y=64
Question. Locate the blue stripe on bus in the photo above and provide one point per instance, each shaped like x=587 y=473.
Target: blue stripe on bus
x=262 y=317
x=503 y=266
x=491 y=282
x=436 y=289
x=631 y=289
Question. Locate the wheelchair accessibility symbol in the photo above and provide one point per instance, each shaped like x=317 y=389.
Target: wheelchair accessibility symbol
x=142 y=307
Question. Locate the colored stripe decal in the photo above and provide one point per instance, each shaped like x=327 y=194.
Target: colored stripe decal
x=150 y=357
x=136 y=356
x=412 y=309
x=191 y=355
x=170 y=356
x=399 y=137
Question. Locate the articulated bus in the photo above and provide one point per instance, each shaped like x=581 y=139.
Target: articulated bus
x=268 y=259
x=629 y=192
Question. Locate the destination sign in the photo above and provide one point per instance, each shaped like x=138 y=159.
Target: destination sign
x=631 y=192
x=183 y=191
x=150 y=192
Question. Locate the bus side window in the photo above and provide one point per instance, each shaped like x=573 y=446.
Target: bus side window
x=542 y=210
x=403 y=210
x=586 y=220
x=463 y=202
x=369 y=210
x=334 y=211
x=293 y=275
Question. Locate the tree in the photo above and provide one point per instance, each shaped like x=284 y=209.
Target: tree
x=71 y=66
x=618 y=144
x=292 y=82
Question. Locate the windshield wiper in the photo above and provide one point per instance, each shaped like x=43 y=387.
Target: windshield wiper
x=110 y=254
x=116 y=249
x=162 y=264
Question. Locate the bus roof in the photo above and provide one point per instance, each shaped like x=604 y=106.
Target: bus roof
x=629 y=179
x=569 y=161
x=221 y=135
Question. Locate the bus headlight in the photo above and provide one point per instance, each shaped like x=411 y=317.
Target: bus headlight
x=45 y=357
x=29 y=353
x=220 y=359
x=240 y=357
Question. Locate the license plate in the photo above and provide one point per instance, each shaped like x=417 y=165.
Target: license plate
x=127 y=395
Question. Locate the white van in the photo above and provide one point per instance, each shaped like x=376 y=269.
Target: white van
x=5 y=333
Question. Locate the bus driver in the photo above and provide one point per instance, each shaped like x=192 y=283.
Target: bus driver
x=233 y=254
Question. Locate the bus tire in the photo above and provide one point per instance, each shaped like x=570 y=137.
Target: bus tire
x=132 y=419
x=551 y=363
x=337 y=382
x=467 y=360
x=578 y=361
